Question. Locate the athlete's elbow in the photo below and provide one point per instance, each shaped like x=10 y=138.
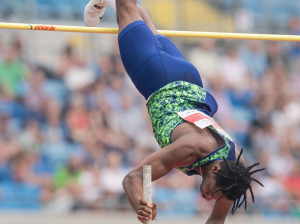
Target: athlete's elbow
x=129 y=180
x=125 y=182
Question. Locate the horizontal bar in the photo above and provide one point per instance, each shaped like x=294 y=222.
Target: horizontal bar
x=170 y=33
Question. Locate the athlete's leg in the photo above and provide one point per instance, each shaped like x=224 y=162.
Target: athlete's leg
x=145 y=16
x=127 y=16
x=94 y=10
x=139 y=48
x=167 y=45
x=127 y=13
x=147 y=56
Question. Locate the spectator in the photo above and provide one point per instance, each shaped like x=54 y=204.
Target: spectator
x=21 y=191
x=292 y=182
x=111 y=178
x=34 y=96
x=77 y=118
x=255 y=58
x=68 y=194
x=30 y=139
x=12 y=69
x=232 y=68
x=205 y=58
x=91 y=189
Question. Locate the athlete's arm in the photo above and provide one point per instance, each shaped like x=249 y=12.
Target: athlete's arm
x=178 y=154
x=219 y=212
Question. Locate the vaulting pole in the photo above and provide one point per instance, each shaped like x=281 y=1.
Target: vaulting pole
x=147 y=187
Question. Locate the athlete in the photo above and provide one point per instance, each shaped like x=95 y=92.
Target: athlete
x=181 y=114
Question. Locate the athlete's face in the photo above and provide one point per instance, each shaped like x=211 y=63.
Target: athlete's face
x=208 y=188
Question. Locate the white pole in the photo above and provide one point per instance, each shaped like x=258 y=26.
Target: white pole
x=147 y=187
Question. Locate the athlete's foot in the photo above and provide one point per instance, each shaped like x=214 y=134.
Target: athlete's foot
x=94 y=11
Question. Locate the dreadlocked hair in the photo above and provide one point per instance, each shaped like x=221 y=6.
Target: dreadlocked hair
x=234 y=179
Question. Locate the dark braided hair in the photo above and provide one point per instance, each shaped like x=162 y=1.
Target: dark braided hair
x=234 y=179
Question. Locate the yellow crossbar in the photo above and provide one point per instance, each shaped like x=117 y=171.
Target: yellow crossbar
x=170 y=33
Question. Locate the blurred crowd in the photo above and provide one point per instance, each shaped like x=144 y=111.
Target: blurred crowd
x=70 y=133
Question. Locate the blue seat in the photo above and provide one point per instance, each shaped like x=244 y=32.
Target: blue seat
x=54 y=8
x=46 y=9
x=281 y=11
x=78 y=8
x=255 y=6
x=64 y=8
x=9 y=7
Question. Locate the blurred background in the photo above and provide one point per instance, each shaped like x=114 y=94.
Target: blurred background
x=72 y=124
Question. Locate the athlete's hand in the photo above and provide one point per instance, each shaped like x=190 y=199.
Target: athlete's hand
x=146 y=211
